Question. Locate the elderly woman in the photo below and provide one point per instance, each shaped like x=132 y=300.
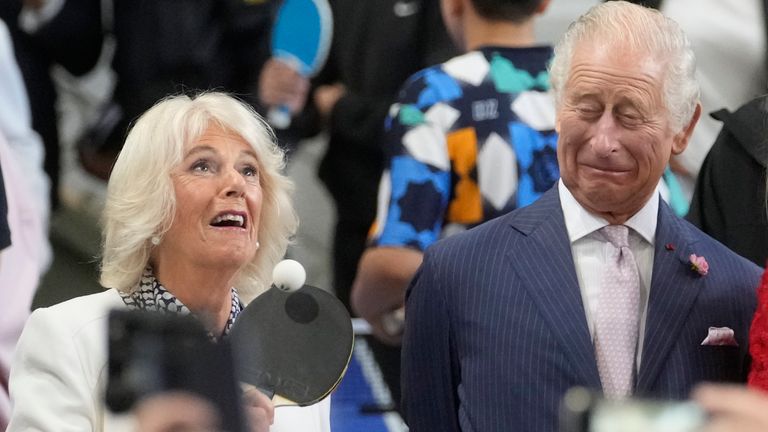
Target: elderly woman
x=197 y=215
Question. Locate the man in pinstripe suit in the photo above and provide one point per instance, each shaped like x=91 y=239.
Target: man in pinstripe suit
x=501 y=320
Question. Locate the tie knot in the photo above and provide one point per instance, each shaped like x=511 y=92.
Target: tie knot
x=618 y=235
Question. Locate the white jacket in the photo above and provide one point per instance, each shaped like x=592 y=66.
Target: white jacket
x=59 y=374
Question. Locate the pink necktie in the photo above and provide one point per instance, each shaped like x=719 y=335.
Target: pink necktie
x=617 y=315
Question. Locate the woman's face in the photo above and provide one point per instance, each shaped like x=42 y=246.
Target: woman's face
x=218 y=203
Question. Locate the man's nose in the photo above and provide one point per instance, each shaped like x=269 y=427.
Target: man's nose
x=604 y=141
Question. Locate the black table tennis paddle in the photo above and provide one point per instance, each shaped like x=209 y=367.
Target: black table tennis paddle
x=294 y=341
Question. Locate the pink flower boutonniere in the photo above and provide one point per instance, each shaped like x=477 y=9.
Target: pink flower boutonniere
x=699 y=264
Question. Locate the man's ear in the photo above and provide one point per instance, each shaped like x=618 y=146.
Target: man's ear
x=542 y=7
x=680 y=141
x=452 y=8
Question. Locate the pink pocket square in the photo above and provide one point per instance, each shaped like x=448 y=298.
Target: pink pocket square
x=720 y=336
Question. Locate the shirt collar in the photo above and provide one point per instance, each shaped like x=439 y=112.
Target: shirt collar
x=579 y=222
x=151 y=295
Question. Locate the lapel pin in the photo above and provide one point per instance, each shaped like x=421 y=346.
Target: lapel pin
x=699 y=264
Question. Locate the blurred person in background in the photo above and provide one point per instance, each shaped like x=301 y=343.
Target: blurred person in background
x=466 y=141
x=729 y=200
x=27 y=193
x=176 y=411
x=376 y=46
x=35 y=63
x=197 y=214
x=161 y=47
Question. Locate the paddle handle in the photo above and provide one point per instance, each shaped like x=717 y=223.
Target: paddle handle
x=277 y=400
x=270 y=393
x=246 y=387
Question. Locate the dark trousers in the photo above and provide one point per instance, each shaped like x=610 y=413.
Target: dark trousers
x=388 y=359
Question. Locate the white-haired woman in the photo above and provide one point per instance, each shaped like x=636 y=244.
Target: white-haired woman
x=197 y=215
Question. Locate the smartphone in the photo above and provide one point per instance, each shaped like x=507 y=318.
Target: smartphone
x=586 y=411
x=152 y=352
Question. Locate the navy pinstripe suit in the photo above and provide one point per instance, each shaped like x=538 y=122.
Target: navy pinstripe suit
x=496 y=331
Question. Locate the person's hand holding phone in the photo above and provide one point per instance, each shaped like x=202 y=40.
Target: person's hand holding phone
x=183 y=411
x=176 y=411
x=733 y=408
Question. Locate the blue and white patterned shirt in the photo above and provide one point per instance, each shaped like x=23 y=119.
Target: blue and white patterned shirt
x=467 y=140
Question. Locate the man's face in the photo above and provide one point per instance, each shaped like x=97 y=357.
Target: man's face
x=615 y=135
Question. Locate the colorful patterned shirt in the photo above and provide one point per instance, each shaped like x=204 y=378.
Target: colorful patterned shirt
x=467 y=140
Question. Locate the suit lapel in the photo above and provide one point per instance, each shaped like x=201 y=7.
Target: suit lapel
x=671 y=297
x=550 y=277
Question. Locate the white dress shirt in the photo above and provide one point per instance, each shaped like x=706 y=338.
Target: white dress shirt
x=590 y=252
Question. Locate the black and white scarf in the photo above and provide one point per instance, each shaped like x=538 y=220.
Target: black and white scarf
x=150 y=295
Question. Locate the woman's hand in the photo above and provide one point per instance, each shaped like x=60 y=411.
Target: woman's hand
x=259 y=409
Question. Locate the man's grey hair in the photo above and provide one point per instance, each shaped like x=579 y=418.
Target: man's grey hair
x=640 y=29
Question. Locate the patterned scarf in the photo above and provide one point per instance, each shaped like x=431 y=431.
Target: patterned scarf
x=150 y=295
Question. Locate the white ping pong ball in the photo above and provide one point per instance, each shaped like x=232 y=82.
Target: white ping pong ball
x=289 y=275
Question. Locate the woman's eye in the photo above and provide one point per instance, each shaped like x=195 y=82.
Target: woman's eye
x=250 y=171
x=201 y=166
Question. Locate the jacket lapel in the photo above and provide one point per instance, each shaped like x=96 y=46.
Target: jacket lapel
x=671 y=297
x=550 y=277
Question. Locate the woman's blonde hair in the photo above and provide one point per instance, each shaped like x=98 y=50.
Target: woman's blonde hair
x=141 y=202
